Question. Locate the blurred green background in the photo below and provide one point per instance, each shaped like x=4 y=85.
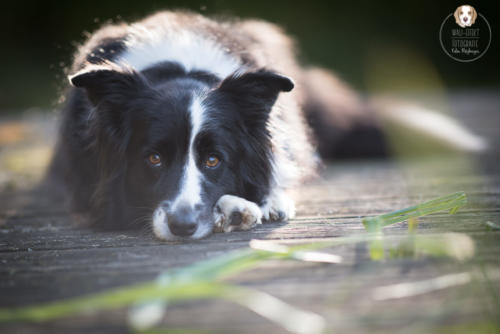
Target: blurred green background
x=39 y=37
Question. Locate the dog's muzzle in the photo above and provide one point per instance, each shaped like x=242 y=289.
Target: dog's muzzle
x=182 y=222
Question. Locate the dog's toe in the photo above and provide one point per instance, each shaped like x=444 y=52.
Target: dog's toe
x=236 y=218
x=281 y=215
x=278 y=207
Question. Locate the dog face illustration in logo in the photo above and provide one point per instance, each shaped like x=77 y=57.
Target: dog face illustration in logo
x=465 y=16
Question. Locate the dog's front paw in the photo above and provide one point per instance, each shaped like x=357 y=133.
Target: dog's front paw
x=235 y=213
x=278 y=207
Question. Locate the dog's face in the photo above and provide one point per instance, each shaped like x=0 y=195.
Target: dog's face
x=175 y=143
x=465 y=16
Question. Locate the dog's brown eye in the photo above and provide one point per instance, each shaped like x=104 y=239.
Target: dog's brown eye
x=212 y=161
x=154 y=159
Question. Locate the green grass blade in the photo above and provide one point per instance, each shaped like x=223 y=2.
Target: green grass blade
x=450 y=202
x=493 y=225
x=111 y=299
x=193 y=282
x=283 y=314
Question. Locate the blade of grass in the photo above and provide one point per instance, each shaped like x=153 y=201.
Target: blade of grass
x=174 y=331
x=412 y=225
x=283 y=314
x=458 y=246
x=492 y=225
x=410 y=289
x=295 y=254
x=287 y=316
x=111 y=299
x=197 y=281
x=147 y=315
x=450 y=202
x=259 y=302
x=404 y=290
x=376 y=248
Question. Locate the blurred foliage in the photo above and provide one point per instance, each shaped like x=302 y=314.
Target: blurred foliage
x=39 y=37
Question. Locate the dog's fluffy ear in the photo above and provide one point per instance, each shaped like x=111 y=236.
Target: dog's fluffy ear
x=261 y=87
x=474 y=15
x=253 y=94
x=457 y=15
x=105 y=83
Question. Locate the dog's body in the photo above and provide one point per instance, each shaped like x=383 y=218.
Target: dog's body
x=191 y=125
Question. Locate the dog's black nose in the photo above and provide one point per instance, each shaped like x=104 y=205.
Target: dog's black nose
x=466 y=19
x=182 y=222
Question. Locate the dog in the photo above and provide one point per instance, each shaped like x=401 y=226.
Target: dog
x=191 y=125
x=465 y=16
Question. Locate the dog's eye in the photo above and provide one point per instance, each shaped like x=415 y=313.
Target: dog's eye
x=212 y=161
x=154 y=160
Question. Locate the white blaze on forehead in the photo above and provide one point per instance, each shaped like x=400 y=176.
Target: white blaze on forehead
x=466 y=12
x=190 y=186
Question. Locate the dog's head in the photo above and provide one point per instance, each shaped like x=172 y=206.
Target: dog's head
x=172 y=142
x=465 y=16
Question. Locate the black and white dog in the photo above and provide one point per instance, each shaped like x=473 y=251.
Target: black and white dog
x=195 y=126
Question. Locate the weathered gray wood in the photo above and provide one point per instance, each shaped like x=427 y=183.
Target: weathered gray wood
x=44 y=256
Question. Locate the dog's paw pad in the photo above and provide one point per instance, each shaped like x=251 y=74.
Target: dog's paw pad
x=277 y=215
x=235 y=213
x=280 y=215
x=236 y=218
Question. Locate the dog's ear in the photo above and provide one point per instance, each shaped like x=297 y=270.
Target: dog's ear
x=255 y=92
x=110 y=89
x=262 y=84
x=457 y=15
x=474 y=15
x=104 y=83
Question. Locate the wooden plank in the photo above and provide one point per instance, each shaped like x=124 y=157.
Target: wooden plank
x=44 y=256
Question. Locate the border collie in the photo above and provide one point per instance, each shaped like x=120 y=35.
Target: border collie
x=194 y=125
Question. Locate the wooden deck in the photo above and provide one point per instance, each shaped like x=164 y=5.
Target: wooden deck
x=44 y=256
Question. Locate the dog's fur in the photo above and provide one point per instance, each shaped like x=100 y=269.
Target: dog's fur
x=465 y=16
x=185 y=90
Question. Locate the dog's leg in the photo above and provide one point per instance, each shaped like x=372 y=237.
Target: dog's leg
x=235 y=213
x=278 y=206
